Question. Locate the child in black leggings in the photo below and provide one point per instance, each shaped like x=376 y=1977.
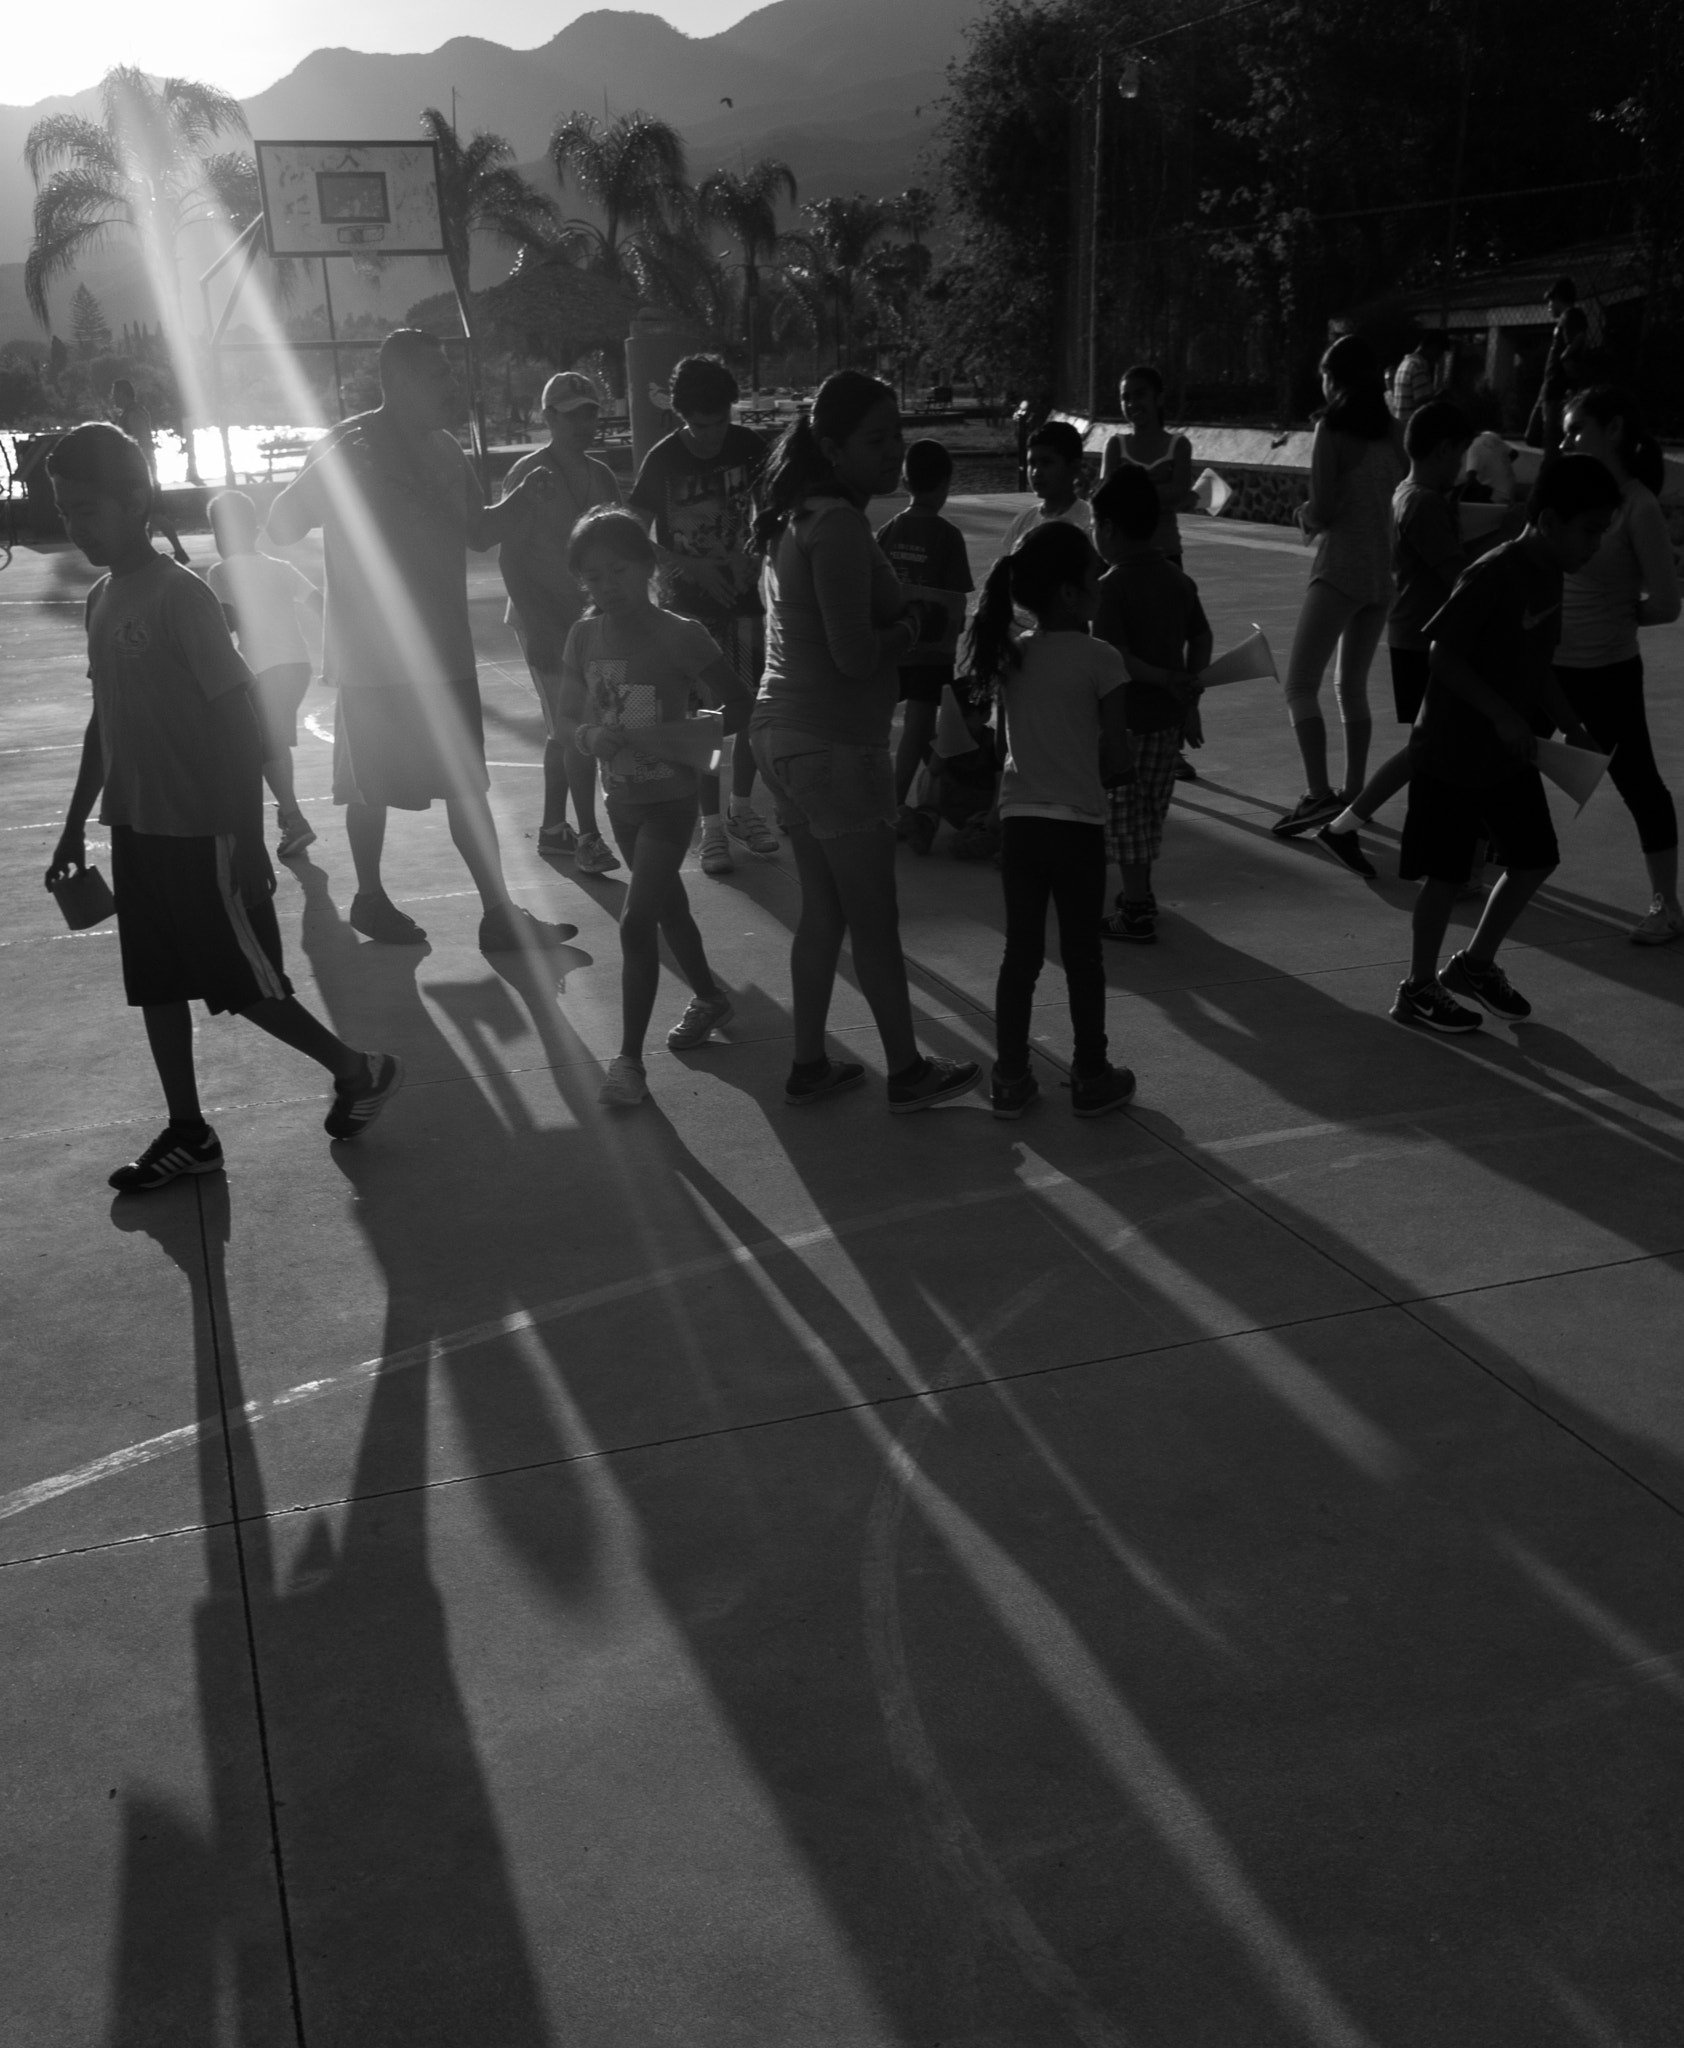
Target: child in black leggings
x=1061 y=700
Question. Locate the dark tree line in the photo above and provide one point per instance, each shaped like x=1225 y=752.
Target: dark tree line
x=1290 y=163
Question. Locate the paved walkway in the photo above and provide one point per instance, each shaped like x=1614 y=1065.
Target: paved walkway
x=726 y=1575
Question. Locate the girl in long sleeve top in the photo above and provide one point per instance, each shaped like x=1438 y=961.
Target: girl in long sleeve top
x=837 y=629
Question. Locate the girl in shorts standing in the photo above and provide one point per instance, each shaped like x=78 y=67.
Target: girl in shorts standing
x=626 y=665
x=1062 y=699
x=1356 y=463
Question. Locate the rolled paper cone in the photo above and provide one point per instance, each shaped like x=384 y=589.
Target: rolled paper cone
x=953 y=735
x=1476 y=521
x=689 y=742
x=1574 y=769
x=1251 y=662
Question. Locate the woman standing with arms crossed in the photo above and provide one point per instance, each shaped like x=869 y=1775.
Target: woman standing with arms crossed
x=1356 y=463
x=837 y=630
x=1630 y=581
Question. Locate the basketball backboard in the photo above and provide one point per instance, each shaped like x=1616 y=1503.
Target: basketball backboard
x=350 y=198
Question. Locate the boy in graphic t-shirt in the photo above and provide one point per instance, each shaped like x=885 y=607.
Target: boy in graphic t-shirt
x=929 y=556
x=174 y=745
x=695 y=492
x=1491 y=695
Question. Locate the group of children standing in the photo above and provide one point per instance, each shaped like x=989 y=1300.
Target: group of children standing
x=1088 y=641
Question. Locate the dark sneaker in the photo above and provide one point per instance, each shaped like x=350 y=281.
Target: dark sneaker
x=1010 y=1097
x=839 y=1074
x=1347 y=846
x=940 y=1081
x=1131 y=921
x=509 y=929
x=357 y=1103
x=1184 y=769
x=1432 y=1008
x=171 y=1154
x=296 y=833
x=1095 y=1094
x=1306 y=813
x=379 y=918
x=1489 y=986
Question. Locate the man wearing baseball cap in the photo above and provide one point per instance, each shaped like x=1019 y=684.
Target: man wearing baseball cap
x=545 y=601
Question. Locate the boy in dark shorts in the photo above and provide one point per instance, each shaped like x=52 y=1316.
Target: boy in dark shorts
x=929 y=556
x=1491 y=694
x=174 y=744
x=260 y=597
x=695 y=492
x=1149 y=610
x=1428 y=555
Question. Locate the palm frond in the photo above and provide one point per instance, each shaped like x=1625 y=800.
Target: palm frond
x=61 y=138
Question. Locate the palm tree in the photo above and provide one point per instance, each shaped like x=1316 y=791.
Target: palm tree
x=826 y=262
x=480 y=194
x=145 y=173
x=912 y=213
x=634 y=172
x=747 y=207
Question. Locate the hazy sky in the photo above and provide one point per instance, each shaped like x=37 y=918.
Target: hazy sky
x=246 y=47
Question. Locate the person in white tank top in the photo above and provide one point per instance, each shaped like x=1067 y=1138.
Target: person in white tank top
x=1632 y=581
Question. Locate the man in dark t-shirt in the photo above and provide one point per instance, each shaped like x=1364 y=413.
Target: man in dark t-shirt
x=1491 y=695
x=695 y=492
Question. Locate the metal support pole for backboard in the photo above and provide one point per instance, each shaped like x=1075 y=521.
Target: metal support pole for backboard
x=476 y=416
x=250 y=242
x=333 y=340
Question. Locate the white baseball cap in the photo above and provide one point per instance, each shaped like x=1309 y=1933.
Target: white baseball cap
x=569 y=390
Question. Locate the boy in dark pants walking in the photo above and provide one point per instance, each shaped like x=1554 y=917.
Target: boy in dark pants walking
x=1491 y=694
x=175 y=746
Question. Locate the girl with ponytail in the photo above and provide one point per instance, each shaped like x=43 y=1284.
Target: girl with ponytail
x=837 y=629
x=1631 y=581
x=1060 y=694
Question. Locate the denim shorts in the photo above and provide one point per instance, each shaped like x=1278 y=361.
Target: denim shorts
x=830 y=788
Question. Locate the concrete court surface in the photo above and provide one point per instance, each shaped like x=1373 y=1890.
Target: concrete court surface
x=727 y=1575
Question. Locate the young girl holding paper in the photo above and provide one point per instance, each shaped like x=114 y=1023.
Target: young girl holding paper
x=1630 y=582
x=630 y=667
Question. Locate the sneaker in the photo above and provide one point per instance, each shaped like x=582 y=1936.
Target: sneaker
x=1132 y=921
x=1660 y=927
x=379 y=918
x=1010 y=1097
x=705 y=1014
x=1488 y=985
x=752 y=829
x=1184 y=769
x=940 y=1081
x=296 y=833
x=357 y=1103
x=1347 y=847
x=171 y=1154
x=921 y=830
x=838 y=1074
x=624 y=1086
x=1432 y=1007
x=595 y=856
x=716 y=854
x=1096 y=1094
x=509 y=929
x=557 y=839
x=1307 y=811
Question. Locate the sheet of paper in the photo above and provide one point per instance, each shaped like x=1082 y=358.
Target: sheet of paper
x=953 y=736
x=1251 y=662
x=1574 y=769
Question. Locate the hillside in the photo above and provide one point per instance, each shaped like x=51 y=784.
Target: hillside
x=830 y=85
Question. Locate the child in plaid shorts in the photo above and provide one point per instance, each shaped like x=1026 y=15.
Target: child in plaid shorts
x=1149 y=610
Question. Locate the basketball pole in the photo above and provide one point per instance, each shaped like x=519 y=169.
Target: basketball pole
x=250 y=241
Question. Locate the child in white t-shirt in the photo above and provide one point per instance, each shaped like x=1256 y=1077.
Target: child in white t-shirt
x=260 y=597
x=628 y=665
x=1061 y=703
